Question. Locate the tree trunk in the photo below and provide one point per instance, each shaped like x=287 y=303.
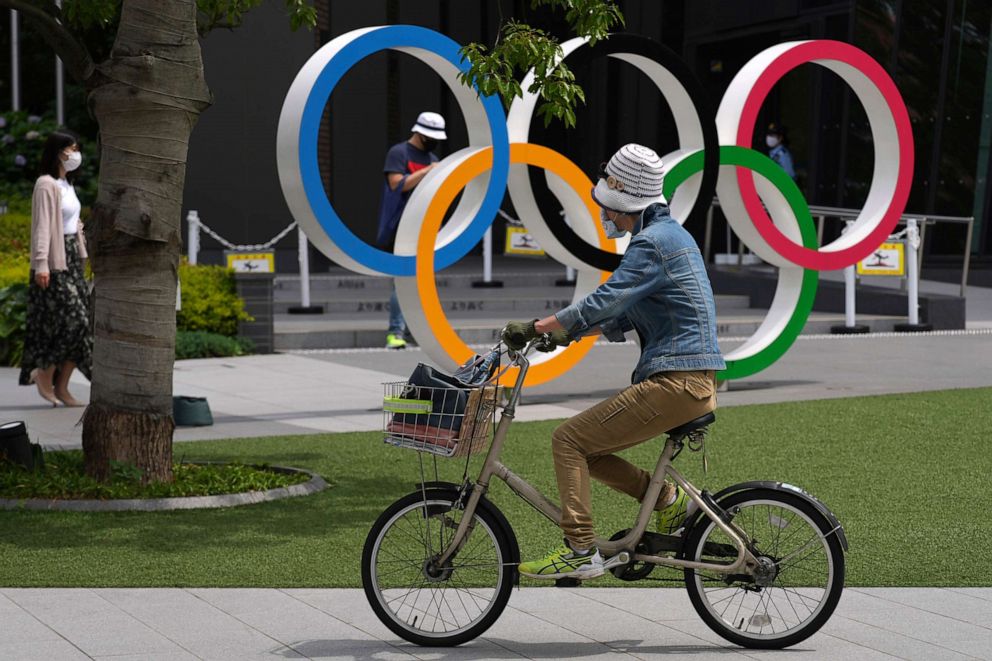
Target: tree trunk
x=146 y=98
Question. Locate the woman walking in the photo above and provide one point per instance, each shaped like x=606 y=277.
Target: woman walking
x=57 y=338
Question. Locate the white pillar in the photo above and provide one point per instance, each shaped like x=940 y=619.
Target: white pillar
x=849 y=302
x=15 y=63
x=304 y=256
x=193 y=240
x=912 y=270
x=487 y=255
x=59 y=85
x=850 y=292
x=569 y=271
x=59 y=92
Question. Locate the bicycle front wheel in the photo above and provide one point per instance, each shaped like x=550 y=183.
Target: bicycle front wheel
x=418 y=599
x=799 y=580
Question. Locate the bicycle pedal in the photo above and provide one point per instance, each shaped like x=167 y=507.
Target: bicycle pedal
x=619 y=559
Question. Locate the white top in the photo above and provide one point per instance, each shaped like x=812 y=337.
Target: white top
x=70 y=207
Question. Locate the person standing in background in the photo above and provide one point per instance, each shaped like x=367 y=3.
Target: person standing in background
x=407 y=163
x=776 y=139
x=57 y=338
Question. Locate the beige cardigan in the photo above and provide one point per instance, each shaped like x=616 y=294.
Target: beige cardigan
x=47 y=244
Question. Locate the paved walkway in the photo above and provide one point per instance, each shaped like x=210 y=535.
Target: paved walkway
x=341 y=391
x=583 y=623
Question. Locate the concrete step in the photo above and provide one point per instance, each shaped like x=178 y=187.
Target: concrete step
x=458 y=279
x=457 y=300
x=300 y=332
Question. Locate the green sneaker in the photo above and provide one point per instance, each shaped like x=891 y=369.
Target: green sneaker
x=672 y=517
x=394 y=341
x=563 y=561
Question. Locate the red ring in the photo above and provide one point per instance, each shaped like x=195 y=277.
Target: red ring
x=803 y=53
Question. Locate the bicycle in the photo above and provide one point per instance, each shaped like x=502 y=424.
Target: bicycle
x=763 y=562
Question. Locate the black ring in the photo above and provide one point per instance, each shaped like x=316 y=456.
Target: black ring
x=670 y=60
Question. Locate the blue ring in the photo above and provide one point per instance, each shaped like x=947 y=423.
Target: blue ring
x=385 y=262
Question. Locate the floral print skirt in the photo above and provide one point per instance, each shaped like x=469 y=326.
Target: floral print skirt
x=58 y=319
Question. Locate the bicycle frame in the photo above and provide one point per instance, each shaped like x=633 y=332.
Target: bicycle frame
x=530 y=494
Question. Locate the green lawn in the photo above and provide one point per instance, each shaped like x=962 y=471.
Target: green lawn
x=908 y=476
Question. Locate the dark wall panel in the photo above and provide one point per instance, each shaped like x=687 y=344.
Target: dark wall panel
x=231 y=177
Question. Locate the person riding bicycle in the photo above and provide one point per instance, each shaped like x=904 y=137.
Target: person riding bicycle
x=661 y=291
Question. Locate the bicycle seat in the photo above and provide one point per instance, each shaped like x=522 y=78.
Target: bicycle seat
x=692 y=425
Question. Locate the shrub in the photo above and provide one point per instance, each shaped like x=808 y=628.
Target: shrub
x=22 y=137
x=13 y=318
x=201 y=344
x=15 y=244
x=63 y=478
x=209 y=300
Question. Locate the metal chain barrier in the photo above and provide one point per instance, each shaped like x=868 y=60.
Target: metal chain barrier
x=252 y=247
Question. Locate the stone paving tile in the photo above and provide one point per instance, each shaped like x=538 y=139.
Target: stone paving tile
x=658 y=604
x=171 y=656
x=595 y=613
x=820 y=645
x=196 y=625
x=304 y=628
x=351 y=608
x=889 y=642
x=91 y=623
x=940 y=630
x=533 y=637
x=958 y=605
x=49 y=650
x=975 y=593
x=21 y=627
x=605 y=613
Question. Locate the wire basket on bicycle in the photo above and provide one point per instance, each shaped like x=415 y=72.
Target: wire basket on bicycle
x=446 y=415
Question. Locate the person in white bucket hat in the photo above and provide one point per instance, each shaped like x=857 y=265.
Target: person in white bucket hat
x=661 y=291
x=407 y=163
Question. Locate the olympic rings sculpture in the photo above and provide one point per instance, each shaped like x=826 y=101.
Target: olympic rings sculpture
x=767 y=212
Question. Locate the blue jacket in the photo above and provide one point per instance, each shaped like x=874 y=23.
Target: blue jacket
x=660 y=290
x=781 y=155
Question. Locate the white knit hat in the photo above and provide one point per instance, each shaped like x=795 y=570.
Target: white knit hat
x=631 y=181
x=430 y=124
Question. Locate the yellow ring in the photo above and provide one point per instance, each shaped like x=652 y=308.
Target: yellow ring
x=472 y=167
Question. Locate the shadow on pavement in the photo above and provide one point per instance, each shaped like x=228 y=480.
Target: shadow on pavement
x=499 y=649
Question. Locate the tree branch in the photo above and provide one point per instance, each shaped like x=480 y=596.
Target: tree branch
x=44 y=17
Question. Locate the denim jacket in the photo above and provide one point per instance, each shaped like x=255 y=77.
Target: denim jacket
x=660 y=290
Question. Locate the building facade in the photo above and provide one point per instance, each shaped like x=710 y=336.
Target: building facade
x=936 y=51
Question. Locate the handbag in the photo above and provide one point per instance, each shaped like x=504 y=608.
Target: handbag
x=448 y=397
x=448 y=394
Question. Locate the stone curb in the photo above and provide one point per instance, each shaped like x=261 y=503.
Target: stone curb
x=315 y=484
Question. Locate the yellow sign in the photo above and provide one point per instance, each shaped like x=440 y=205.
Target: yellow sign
x=252 y=262
x=888 y=259
x=520 y=242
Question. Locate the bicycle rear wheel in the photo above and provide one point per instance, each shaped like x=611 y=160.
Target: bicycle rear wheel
x=797 y=586
x=428 y=604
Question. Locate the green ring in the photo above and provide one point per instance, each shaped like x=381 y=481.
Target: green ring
x=761 y=164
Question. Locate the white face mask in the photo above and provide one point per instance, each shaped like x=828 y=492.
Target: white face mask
x=610 y=227
x=771 y=141
x=74 y=160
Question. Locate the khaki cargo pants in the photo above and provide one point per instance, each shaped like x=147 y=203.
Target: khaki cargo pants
x=584 y=444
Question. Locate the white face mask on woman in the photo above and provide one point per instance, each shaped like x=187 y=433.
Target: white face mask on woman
x=610 y=227
x=74 y=160
x=772 y=141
